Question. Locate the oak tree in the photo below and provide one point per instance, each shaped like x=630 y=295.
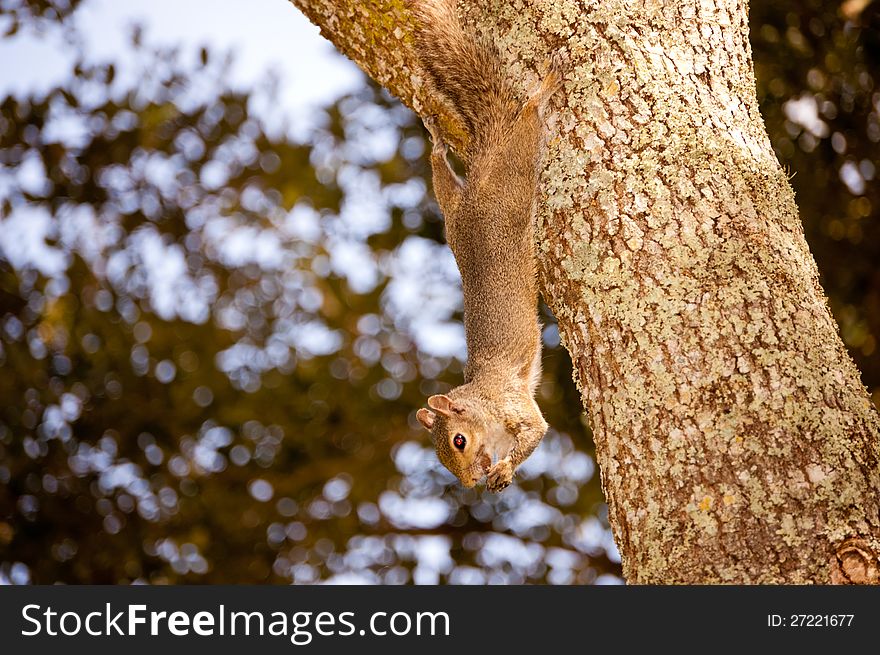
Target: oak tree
x=735 y=438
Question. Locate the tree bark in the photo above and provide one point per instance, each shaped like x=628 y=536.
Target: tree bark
x=735 y=439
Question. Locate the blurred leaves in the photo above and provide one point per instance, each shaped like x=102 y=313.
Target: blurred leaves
x=213 y=340
x=16 y=13
x=213 y=337
x=817 y=83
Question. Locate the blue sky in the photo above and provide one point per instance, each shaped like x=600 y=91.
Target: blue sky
x=263 y=34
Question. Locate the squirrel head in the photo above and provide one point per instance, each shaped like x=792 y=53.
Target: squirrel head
x=459 y=429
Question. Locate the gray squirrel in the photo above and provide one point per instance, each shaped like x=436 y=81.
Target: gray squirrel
x=490 y=424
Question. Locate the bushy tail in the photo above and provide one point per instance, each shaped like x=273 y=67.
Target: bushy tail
x=465 y=70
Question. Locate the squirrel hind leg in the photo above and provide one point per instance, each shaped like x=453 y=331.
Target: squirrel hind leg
x=448 y=186
x=430 y=123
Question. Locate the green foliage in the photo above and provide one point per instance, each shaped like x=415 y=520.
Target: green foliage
x=210 y=352
x=817 y=82
x=15 y=13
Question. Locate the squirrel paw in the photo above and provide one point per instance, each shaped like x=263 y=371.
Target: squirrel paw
x=499 y=476
x=560 y=62
x=430 y=123
x=553 y=80
x=549 y=84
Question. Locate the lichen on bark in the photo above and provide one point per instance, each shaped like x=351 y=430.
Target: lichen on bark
x=735 y=439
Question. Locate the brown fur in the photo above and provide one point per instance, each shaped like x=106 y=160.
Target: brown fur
x=465 y=72
x=490 y=229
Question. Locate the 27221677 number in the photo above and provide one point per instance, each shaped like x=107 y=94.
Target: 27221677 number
x=810 y=620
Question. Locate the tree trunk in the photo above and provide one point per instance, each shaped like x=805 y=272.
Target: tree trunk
x=735 y=439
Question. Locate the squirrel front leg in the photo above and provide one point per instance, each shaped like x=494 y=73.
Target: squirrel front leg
x=448 y=186
x=529 y=435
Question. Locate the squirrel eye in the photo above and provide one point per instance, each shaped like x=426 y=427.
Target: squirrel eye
x=459 y=441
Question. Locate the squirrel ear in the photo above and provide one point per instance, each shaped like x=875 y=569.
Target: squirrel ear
x=426 y=418
x=443 y=404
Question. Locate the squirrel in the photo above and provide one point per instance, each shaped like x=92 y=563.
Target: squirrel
x=490 y=424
